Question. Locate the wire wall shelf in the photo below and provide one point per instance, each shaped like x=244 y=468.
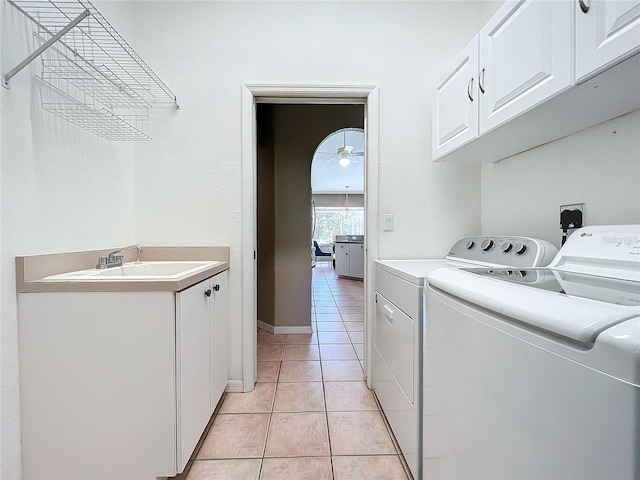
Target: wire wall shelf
x=90 y=76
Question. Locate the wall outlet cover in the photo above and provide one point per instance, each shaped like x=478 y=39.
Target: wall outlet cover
x=571 y=207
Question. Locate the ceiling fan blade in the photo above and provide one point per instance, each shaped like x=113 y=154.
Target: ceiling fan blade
x=358 y=154
x=332 y=158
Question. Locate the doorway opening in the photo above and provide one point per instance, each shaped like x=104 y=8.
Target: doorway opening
x=288 y=137
x=338 y=210
x=292 y=135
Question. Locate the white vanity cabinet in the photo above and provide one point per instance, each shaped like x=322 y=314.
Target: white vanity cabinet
x=201 y=338
x=606 y=33
x=119 y=384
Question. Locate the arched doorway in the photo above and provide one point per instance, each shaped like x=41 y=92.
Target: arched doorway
x=337 y=187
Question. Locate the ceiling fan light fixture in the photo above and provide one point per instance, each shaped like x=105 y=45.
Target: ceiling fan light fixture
x=344 y=161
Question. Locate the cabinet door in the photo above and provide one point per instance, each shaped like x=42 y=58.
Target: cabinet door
x=356 y=260
x=342 y=259
x=455 y=110
x=525 y=58
x=219 y=319
x=192 y=358
x=608 y=32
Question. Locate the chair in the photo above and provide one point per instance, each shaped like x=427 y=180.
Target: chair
x=319 y=254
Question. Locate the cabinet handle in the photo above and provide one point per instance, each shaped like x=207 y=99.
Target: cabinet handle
x=216 y=287
x=583 y=6
x=207 y=292
x=481 y=80
x=469 y=87
x=388 y=314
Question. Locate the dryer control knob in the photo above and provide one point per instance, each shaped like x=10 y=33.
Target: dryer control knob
x=520 y=248
x=487 y=245
x=470 y=244
x=506 y=247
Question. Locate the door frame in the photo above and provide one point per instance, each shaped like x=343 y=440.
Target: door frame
x=302 y=94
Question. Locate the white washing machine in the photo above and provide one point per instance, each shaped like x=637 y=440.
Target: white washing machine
x=398 y=343
x=535 y=374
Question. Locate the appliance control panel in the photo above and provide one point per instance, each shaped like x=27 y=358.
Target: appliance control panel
x=604 y=250
x=503 y=250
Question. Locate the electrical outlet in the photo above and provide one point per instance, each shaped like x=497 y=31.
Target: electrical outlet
x=568 y=217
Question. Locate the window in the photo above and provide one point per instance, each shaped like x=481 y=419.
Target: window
x=330 y=221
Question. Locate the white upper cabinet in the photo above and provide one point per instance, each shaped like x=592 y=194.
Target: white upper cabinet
x=525 y=58
x=455 y=107
x=523 y=92
x=607 y=31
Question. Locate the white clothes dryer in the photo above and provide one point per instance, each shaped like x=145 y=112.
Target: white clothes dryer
x=398 y=326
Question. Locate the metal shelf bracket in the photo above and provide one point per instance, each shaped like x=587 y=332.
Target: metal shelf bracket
x=45 y=46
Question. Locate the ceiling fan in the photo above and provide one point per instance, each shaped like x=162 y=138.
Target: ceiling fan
x=344 y=154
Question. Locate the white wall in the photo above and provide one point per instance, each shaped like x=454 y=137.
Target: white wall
x=62 y=189
x=599 y=166
x=188 y=180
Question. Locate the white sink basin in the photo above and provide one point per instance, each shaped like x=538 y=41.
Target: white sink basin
x=138 y=271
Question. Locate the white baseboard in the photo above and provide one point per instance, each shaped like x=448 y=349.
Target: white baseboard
x=234 y=386
x=265 y=326
x=284 y=330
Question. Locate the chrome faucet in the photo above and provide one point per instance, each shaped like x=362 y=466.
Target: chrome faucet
x=115 y=260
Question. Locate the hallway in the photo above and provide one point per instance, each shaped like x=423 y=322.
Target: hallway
x=311 y=415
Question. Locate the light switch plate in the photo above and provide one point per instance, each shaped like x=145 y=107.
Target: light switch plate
x=388 y=222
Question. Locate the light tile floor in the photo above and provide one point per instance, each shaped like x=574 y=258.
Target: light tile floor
x=311 y=416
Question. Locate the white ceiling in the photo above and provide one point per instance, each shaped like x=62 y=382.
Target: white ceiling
x=330 y=176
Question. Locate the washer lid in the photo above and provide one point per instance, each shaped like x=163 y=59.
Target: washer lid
x=577 y=318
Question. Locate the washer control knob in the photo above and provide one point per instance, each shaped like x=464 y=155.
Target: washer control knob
x=470 y=244
x=487 y=245
x=506 y=247
x=520 y=248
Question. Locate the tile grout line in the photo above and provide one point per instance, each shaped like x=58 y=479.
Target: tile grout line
x=273 y=401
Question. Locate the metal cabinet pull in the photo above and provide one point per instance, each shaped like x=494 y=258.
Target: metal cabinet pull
x=469 y=87
x=216 y=287
x=207 y=293
x=481 y=80
x=583 y=6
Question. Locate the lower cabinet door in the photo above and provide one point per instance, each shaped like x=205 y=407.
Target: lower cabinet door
x=342 y=259
x=219 y=316
x=356 y=262
x=192 y=358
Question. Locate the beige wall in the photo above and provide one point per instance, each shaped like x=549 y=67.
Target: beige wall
x=288 y=136
x=266 y=214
